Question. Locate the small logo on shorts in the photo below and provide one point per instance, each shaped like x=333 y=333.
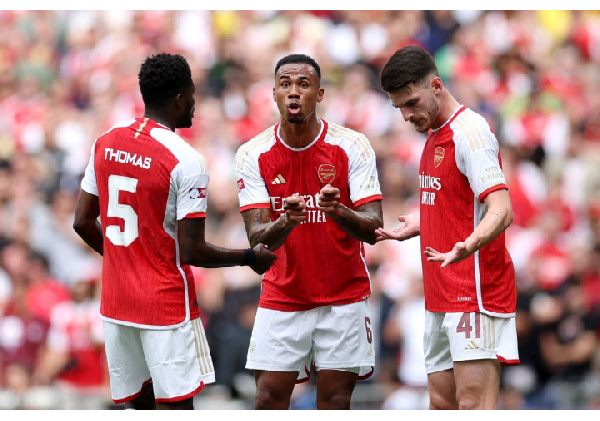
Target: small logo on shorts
x=472 y=345
x=251 y=349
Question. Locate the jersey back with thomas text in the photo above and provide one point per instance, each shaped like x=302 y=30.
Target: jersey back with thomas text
x=147 y=178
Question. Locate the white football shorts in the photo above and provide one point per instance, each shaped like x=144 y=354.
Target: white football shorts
x=468 y=336
x=330 y=337
x=177 y=361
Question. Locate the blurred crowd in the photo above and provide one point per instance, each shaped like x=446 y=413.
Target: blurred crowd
x=68 y=76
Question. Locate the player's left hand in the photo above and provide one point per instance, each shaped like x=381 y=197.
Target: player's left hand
x=329 y=198
x=459 y=252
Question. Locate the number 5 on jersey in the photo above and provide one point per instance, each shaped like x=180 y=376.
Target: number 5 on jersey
x=116 y=184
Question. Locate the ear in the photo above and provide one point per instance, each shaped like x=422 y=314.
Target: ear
x=274 y=98
x=436 y=85
x=320 y=96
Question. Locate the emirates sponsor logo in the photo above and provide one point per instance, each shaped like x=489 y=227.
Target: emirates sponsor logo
x=326 y=173
x=438 y=156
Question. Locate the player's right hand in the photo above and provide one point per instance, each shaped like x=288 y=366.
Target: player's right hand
x=264 y=259
x=295 y=210
x=411 y=228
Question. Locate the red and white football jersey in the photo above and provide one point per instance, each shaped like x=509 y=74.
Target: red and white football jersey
x=461 y=165
x=147 y=178
x=319 y=263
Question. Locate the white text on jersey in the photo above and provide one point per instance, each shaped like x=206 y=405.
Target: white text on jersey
x=126 y=158
x=312 y=213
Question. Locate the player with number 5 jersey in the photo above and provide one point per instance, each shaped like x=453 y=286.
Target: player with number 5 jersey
x=149 y=189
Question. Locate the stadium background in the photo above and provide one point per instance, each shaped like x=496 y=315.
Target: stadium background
x=67 y=76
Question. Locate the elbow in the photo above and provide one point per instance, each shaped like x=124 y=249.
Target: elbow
x=510 y=217
x=78 y=226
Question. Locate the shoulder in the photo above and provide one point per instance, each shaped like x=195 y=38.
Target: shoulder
x=179 y=148
x=472 y=129
x=255 y=146
x=120 y=125
x=349 y=140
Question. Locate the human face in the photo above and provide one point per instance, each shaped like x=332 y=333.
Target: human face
x=418 y=104
x=297 y=92
x=188 y=102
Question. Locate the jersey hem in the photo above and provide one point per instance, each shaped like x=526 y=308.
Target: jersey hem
x=297 y=307
x=145 y=326
x=489 y=313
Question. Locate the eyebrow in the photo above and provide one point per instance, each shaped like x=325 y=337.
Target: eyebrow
x=289 y=77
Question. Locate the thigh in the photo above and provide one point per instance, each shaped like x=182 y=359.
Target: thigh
x=128 y=372
x=442 y=390
x=477 y=383
x=281 y=341
x=334 y=388
x=343 y=339
x=179 y=361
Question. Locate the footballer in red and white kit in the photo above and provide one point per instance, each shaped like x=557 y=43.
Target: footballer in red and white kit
x=460 y=165
x=130 y=164
x=145 y=284
x=328 y=266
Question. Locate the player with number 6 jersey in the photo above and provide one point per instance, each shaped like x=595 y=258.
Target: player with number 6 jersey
x=309 y=189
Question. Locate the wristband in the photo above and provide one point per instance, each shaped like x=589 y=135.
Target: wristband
x=249 y=257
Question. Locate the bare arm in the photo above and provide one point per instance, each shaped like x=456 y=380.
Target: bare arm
x=260 y=229
x=360 y=223
x=86 y=223
x=498 y=218
x=196 y=251
x=410 y=229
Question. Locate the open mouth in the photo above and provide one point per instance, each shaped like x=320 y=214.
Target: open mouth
x=294 y=108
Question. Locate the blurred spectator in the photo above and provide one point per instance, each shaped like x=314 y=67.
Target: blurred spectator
x=67 y=75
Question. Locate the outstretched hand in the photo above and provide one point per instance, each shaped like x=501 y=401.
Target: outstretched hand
x=459 y=252
x=411 y=228
x=264 y=259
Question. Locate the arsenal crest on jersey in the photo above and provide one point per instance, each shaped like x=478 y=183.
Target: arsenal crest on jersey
x=439 y=156
x=326 y=173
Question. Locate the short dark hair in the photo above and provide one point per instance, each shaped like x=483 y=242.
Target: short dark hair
x=162 y=76
x=408 y=65
x=298 y=59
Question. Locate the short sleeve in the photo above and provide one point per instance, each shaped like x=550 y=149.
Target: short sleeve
x=88 y=183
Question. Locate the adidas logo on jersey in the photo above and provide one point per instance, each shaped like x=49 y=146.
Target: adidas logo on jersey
x=278 y=180
x=472 y=345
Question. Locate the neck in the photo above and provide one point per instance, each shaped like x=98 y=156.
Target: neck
x=160 y=117
x=299 y=135
x=448 y=106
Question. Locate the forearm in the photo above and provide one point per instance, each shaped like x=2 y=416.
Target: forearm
x=90 y=232
x=360 y=225
x=210 y=256
x=493 y=224
x=272 y=234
